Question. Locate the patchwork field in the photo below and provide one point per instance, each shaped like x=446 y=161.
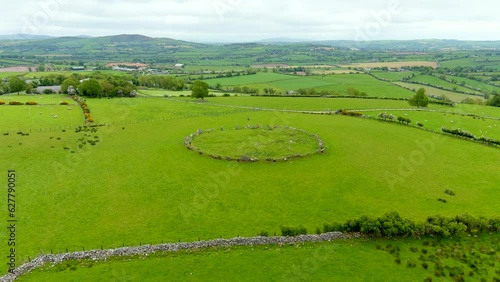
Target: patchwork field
x=393 y=64
x=339 y=83
x=429 y=90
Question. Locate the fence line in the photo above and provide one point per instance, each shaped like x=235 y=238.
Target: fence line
x=122 y=122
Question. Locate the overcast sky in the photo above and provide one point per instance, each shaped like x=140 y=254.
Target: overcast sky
x=242 y=21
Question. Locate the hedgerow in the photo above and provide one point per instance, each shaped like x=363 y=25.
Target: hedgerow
x=393 y=225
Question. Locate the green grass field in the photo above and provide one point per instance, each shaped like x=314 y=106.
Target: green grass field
x=435 y=81
x=429 y=90
x=9 y=74
x=434 y=121
x=392 y=76
x=90 y=198
x=307 y=104
x=261 y=143
x=470 y=62
x=39 y=117
x=339 y=83
x=353 y=260
x=479 y=86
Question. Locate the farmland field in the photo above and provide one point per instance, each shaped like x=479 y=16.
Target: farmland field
x=454 y=96
x=282 y=139
x=392 y=76
x=243 y=204
x=475 y=84
x=436 y=120
x=435 y=81
x=339 y=83
x=470 y=62
x=392 y=64
x=337 y=261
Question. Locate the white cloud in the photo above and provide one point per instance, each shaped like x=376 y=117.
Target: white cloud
x=239 y=20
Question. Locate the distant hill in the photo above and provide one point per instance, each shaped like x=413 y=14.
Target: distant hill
x=413 y=45
x=280 y=40
x=24 y=37
x=106 y=48
x=144 y=49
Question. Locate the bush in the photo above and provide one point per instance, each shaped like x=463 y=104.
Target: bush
x=404 y=120
x=2 y=102
x=64 y=103
x=226 y=95
x=15 y=103
x=49 y=91
x=264 y=234
x=449 y=192
x=31 y=103
x=459 y=132
x=335 y=227
x=349 y=113
x=293 y=231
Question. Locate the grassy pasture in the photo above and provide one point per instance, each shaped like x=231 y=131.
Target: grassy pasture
x=393 y=64
x=443 y=83
x=434 y=121
x=9 y=74
x=163 y=92
x=338 y=83
x=332 y=261
x=364 y=83
x=258 y=78
x=308 y=104
x=429 y=90
x=261 y=143
x=91 y=198
x=470 y=62
x=51 y=99
x=39 y=117
x=475 y=84
x=392 y=76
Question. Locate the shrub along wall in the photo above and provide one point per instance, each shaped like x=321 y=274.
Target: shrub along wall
x=393 y=225
x=467 y=135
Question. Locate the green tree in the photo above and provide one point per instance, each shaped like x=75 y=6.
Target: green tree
x=90 y=88
x=353 y=92
x=16 y=84
x=29 y=88
x=67 y=83
x=108 y=89
x=41 y=68
x=4 y=88
x=311 y=92
x=494 y=101
x=420 y=100
x=199 y=89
